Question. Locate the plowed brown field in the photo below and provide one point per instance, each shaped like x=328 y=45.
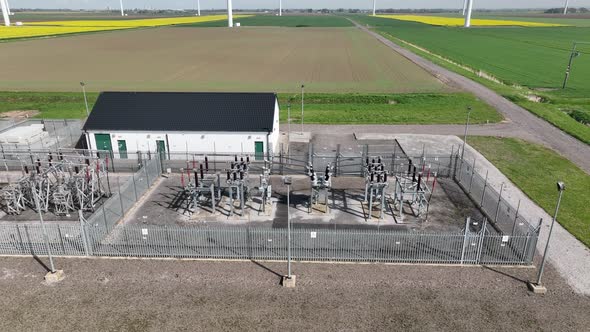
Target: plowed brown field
x=213 y=59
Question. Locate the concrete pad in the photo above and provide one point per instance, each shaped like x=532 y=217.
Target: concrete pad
x=54 y=277
x=537 y=289
x=299 y=137
x=289 y=282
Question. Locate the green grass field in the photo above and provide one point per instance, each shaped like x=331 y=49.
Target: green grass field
x=316 y=21
x=535 y=170
x=572 y=20
x=319 y=108
x=507 y=54
x=532 y=57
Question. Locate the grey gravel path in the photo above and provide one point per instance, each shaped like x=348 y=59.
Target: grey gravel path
x=542 y=131
x=174 y=295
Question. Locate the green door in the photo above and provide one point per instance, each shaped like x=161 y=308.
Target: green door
x=259 y=150
x=161 y=149
x=122 y=149
x=103 y=142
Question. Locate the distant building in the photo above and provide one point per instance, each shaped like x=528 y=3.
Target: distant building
x=173 y=123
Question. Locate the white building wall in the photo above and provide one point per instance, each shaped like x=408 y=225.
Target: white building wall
x=181 y=142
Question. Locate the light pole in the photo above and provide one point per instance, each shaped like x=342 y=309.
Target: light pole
x=302 y=105
x=538 y=286
x=374 y=7
x=567 y=3
x=198 y=7
x=464 y=6
x=289 y=122
x=45 y=237
x=575 y=53
x=83 y=85
x=230 y=14
x=280 y=7
x=289 y=279
x=469 y=109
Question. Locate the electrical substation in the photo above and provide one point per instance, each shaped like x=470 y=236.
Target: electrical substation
x=348 y=198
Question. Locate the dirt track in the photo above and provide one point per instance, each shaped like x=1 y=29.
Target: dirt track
x=536 y=128
x=148 y=295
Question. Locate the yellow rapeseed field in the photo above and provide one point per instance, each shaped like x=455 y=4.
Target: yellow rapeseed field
x=53 y=28
x=458 y=21
x=151 y=22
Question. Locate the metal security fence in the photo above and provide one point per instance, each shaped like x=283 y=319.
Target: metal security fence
x=126 y=195
x=504 y=218
x=269 y=244
x=502 y=237
x=57 y=134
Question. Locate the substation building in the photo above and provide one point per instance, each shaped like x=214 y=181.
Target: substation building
x=173 y=123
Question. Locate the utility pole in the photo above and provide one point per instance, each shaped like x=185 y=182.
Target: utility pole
x=575 y=53
x=468 y=14
x=538 y=287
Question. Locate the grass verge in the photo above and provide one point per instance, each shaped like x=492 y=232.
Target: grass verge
x=535 y=170
x=319 y=108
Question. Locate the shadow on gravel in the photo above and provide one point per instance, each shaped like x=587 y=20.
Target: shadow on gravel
x=267 y=269
x=505 y=274
x=47 y=269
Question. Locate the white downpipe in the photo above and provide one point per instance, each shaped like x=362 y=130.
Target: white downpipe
x=122 y=10
x=280 y=7
x=567 y=4
x=5 y=13
x=230 y=14
x=468 y=16
x=374 y=7
x=464 y=6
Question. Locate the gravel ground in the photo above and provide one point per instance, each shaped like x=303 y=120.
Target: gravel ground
x=156 y=295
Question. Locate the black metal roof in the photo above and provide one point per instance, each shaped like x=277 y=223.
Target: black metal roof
x=183 y=111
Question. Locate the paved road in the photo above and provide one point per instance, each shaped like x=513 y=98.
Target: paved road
x=174 y=295
x=537 y=129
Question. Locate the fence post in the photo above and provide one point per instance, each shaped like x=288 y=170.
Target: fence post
x=249 y=240
x=146 y=173
x=281 y=161
x=483 y=192
x=481 y=238
x=499 y=201
x=337 y=165
x=104 y=216
x=515 y=218
x=472 y=174
x=83 y=233
x=134 y=187
x=465 y=236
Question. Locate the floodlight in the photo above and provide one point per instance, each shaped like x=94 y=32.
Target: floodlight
x=560 y=186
